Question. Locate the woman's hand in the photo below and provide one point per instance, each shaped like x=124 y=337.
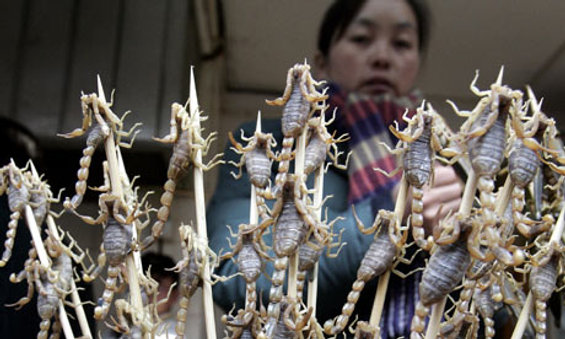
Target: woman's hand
x=441 y=198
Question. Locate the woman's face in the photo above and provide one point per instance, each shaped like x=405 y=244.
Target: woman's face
x=378 y=52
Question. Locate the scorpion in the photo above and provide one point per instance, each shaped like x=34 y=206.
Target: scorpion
x=309 y=254
x=321 y=142
x=116 y=245
x=52 y=284
x=289 y=322
x=245 y=325
x=377 y=260
x=249 y=261
x=300 y=97
x=130 y=319
x=257 y=157
x=190 y=267
x=524 y=161
x=484 y=134
x=41 y=199
x=17 y=184
x=93 y=105
x=444 y=271
x=425 y=134
x=546 y=265
x=186 y=141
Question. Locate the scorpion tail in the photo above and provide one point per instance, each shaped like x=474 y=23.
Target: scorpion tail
x=182 y=313
x=101 y=311
x=10 y=236
x=284 y=162
x=417 y=220
x=44 y=326
x=419 y=321
x=162 y=214
x=333 y=327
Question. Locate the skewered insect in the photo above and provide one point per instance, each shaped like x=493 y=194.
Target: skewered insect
x=249 y=261
x=425 y=135
x=378 y=259
x=18 y=189
x=190 y=268
x=116 y=244
x=443 y=273
x=257 y=157
x=245 y=325
x=300 y=98
x=186 y=139
x=106 y=121
x=543 y=279
x=321 y=142
x=485 y=136
x=289 y=322
x=309 y=254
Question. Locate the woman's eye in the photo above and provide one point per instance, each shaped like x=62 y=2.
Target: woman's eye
x=360 y=39
x=402 y=44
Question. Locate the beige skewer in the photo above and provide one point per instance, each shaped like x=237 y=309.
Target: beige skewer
x=199 y=199
x=117 y=190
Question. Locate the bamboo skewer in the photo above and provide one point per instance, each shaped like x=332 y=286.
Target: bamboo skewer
x=117 y=190
x=253 y=212
x=528 y=304
x=299 y=172
x=201 y=227
x=376 y=311
x=464 y=210
x=318 y=198
x=46 y=262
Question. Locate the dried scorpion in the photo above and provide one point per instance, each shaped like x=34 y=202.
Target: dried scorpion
x=257 y=157
x=190 y=268
x=321 y=142
x=299 y=99
x=17 y=184
x=289 y=323
x=309 y=254
x=524 y=160
x=443 y=273
x=249 y=261
x=245 y=325
x=484 y=133
x=186 y=141
x=52 y=284
x=425 y=135
x=546 y=265
x=377 y=260
x=116 y=244
x=106 y=121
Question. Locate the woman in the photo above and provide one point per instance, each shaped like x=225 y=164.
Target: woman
x=369 y=51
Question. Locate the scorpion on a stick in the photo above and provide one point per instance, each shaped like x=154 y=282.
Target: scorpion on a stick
x=186 y=139
x=299 y=99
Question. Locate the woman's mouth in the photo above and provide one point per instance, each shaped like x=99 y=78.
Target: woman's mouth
x=376 y=86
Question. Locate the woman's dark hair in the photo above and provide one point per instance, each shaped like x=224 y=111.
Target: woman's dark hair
x=340 y=14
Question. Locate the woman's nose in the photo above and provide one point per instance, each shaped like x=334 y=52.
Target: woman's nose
x=380 y=54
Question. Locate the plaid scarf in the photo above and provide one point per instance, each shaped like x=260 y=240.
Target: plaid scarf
x=366 y=119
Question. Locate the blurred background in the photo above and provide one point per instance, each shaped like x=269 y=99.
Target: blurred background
x=241 y=50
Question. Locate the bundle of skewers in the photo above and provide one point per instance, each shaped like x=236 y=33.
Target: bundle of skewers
x=502 y=248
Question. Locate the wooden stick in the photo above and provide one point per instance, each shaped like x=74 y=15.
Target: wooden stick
x=299 y=172
x=464 y=210
x=83 y=322
x=46 y=263
x=318 y=197
x=382 y=287
x=117 y=190
x=79 y=310
x=200 y=201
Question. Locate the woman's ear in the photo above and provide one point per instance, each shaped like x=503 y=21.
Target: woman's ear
x=320 y=66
